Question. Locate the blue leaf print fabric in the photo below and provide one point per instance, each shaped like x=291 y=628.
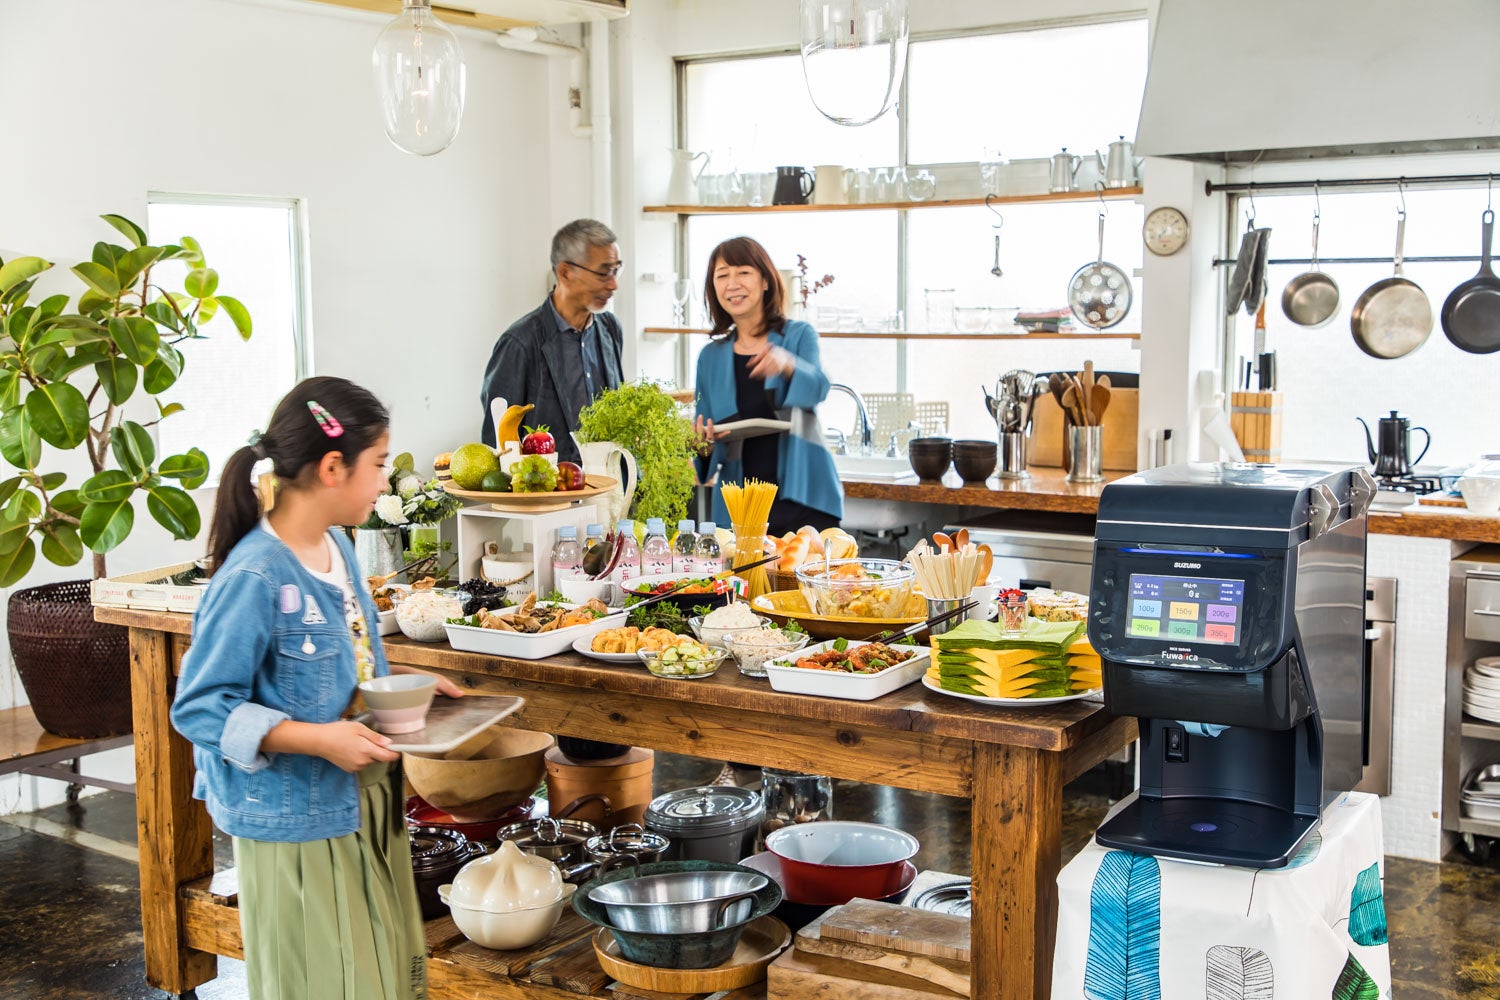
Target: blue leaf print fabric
x=1123 y=960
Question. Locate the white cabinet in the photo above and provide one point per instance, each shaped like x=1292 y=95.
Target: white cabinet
x=1469 y=742
x=520 y=538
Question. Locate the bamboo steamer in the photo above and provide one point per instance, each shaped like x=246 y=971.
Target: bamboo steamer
x=606 y=793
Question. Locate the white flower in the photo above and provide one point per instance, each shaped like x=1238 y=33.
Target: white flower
x=388 y=506
x=409 y=486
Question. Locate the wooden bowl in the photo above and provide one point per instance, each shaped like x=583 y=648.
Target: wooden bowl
x=783 y=606
x=502 y=774
x=764 y=939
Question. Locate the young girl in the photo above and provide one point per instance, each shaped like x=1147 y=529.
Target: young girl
x=328 y=907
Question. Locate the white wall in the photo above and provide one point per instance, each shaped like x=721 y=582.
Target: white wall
x=416 y=264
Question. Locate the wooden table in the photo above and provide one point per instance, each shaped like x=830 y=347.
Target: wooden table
x=1012 y=764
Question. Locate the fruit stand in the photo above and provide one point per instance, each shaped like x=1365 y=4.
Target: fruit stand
x=1011 y=763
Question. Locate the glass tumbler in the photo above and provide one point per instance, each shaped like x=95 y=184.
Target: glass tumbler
x=922 y=186
x=939 y=303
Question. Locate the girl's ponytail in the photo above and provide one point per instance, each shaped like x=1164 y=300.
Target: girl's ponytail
x=319 y=415
x=236 y=509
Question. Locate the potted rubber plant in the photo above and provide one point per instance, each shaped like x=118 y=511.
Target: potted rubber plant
x=69 y=368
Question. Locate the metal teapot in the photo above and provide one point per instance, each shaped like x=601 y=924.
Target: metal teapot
x=1064 y=173
x=1121 y=169
x=1390 y=458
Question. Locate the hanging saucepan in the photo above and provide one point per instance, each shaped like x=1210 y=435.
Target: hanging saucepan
x=1392 y=317
x=1471 y=314
x=1099 y=294
x=1311 y=298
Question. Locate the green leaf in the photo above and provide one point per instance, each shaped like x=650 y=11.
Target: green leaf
x=174 y=510
x=51 y=306
x=59 y=413
x=191 y=468
x=207 y=309
x=9 y=487
x=403 y=463
x=129 y=267
x=169 y=409
x=107 y=255
x=132 y=447
x=162 y=371
x=91 y=303
x=105 y=525
x=238 y=313
x=19 y=443
x=135 y=234
x=105 y=487
x=50 y=481
x=119 y=378
x=201 y=282
x=100 y=278
x=46 y=360
x=85 y=355
x=20 y=323
x=18 y=269
x=136 y=337
x=160 y=313
x=191 y=251
x=16 y=564
x=61 y=544
x=13 y=531
x=68 y=502
x=841 y=644
x=23 y=506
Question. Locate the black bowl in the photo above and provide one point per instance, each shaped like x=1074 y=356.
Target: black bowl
x=973 y=467
x=973 y=447
x=687 y=602
x=930 y=457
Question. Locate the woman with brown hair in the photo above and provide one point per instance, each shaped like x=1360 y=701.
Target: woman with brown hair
x=760 y=364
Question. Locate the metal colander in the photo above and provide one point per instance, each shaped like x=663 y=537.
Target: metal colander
x=1099 y=294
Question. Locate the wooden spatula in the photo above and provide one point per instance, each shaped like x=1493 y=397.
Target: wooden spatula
x=1100 y=401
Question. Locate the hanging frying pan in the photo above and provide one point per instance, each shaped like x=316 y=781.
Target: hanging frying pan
x=1311 y=298
x=1471 y=313
x=1392 y=317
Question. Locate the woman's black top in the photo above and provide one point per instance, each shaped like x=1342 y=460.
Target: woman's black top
x=760 y=454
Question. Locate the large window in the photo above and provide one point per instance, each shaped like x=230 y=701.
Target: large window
x=1022 y=95
x=1325 y=379
x=229 y=386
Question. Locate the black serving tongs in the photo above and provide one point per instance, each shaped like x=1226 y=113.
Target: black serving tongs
x=890 y=635
x=726 y=574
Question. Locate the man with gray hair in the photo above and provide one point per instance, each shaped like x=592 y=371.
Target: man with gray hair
x=563 y=354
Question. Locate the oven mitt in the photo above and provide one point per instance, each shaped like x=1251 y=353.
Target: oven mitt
x=1244 y=261
x=1256 y=293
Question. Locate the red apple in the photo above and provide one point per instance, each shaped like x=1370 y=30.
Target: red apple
x=569 y=476
x=538 y=442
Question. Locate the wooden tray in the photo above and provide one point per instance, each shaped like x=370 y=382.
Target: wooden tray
x=450 y=721
x=764 y=939
x=537 y=503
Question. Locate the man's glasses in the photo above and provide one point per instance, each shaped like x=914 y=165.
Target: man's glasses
x=607 y=274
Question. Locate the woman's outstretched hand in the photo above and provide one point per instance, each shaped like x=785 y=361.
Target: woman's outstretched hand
x=773 y=361
x=706 y=435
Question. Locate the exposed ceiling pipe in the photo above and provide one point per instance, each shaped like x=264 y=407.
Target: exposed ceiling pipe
x=526 y=40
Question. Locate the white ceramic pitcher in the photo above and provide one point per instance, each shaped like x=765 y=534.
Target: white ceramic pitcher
x=682 y=189
x=603 y=458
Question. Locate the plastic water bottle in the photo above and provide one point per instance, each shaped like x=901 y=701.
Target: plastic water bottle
x=656 y=554
x=708 y=557
x=567 y=554
x=684 y=548
x=594 y=536
x=629 y=565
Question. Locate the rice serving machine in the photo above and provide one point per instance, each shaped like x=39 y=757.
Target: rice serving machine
x=1227 y=605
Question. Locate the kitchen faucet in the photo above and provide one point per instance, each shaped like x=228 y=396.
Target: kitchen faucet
x=866 y=432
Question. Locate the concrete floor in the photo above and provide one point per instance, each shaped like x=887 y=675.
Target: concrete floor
x=70 y=922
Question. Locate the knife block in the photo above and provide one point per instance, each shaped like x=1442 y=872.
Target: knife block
x=1048 y=445
x=1255 y=418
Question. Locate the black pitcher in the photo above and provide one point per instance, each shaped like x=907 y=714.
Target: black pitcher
x=793 y=186
x=1390 y=459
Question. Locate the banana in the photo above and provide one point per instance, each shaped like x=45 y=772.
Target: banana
x=510 y=425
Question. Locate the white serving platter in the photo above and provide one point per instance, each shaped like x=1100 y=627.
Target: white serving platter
x=450 y=721
x=738 y=430
x=932 y=685
x=837 y=684
x=524 y=646
x=583 y=645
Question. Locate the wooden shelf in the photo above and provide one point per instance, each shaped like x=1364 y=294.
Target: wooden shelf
x=682 y=331
x=1471 y=726
x=1113 y=194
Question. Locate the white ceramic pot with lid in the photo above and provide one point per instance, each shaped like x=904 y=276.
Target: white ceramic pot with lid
x=507 y=900
x=707 y=822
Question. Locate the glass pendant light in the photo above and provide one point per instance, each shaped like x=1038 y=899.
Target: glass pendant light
x=854 y=56
x=419 y=70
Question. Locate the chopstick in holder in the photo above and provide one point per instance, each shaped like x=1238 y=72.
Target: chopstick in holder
x=947 y=575
x=726 y=574
x=891 y=636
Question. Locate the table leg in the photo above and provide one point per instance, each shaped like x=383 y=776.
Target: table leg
x=1017 y=845
x=175 y=834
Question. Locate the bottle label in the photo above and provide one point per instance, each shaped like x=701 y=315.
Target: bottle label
x=655 y=564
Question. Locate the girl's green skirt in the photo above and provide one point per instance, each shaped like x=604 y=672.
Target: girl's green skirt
x=336 y=919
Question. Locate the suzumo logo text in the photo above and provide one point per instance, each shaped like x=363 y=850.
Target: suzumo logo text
x=1186 y=565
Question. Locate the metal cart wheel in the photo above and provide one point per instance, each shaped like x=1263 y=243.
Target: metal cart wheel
x=1478 y=848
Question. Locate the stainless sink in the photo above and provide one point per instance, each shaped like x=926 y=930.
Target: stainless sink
x=876 y=515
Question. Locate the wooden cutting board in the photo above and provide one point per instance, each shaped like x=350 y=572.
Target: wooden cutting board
x=1121 y=427
x=800 y=975
x=899 y=928
x=948 y=973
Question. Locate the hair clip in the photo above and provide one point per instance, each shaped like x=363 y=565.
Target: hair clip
x=257 y=444
x=325 y=420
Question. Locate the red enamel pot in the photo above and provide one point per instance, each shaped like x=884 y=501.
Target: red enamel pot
x=835 y=858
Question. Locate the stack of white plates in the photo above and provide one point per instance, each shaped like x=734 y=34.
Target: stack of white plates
x=1482 y=689
x=1481 y=794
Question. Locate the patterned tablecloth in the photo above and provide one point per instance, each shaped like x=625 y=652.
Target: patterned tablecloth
x=1138 y=927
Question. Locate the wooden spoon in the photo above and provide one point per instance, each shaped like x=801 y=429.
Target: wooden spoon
x=1056 y=383
x=961 y=538
x=986 y=563
x=1088 y=378
x=1070 y=403
x=1102 y=380
x=1101 y=401
x=942 y=541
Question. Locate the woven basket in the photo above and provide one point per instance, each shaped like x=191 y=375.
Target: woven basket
x=76 y=671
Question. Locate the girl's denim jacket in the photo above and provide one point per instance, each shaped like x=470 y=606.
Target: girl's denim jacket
x=270 y=643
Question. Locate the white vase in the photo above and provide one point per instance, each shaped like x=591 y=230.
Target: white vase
x=603 y=458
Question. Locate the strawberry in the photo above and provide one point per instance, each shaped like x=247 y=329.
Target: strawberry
x=538 y=442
